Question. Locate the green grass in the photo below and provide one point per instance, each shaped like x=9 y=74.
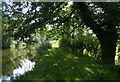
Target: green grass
x=57 y=64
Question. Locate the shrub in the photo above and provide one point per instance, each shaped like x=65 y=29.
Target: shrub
x=6 y=41
x=92 y=46
x=78 y=45
x=43 y=47
x=65 y=43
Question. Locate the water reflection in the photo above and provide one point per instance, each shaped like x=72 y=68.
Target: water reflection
x=25 y=66
x=17 y=61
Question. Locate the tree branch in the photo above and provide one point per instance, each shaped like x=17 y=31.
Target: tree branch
x=87 y=16
x=64 y=20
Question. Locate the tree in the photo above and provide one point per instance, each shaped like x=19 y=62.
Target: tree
x=102 y=18
x=104 y=26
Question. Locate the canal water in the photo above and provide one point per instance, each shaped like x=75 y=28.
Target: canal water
x=17 y=61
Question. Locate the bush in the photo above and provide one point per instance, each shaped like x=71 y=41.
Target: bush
x=78 y=45
x=6 y=41
x=43 y=47
x=65 y=43
x=89 y=44
x=92 y=46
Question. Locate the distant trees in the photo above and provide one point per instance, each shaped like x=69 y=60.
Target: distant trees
x=64 y=18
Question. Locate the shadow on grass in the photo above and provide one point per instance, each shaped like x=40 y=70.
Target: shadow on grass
x=59 y=65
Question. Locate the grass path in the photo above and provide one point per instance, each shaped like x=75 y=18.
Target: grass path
x=57 y=64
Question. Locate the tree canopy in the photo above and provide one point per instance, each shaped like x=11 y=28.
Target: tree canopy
x=63 y=18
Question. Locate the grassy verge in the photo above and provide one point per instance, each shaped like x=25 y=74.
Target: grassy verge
x=57 y=64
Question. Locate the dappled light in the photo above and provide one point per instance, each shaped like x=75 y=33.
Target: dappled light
x=60 y=41
x=12 y=59
x=60 y=65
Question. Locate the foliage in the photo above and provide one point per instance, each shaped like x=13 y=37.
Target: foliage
x=43 y=48
x=6 y=41
x=92 y=46
x=78 y=44
x=21 y=20
x=117 y=57
x=102 y=18
x=81 y=42
x=62 y=16
x=65 y=43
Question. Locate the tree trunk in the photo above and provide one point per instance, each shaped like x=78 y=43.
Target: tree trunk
x=107 y=36
x=108 y=41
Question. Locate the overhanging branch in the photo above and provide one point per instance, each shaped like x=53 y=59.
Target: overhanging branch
x=87 y=16
x=63 y=20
